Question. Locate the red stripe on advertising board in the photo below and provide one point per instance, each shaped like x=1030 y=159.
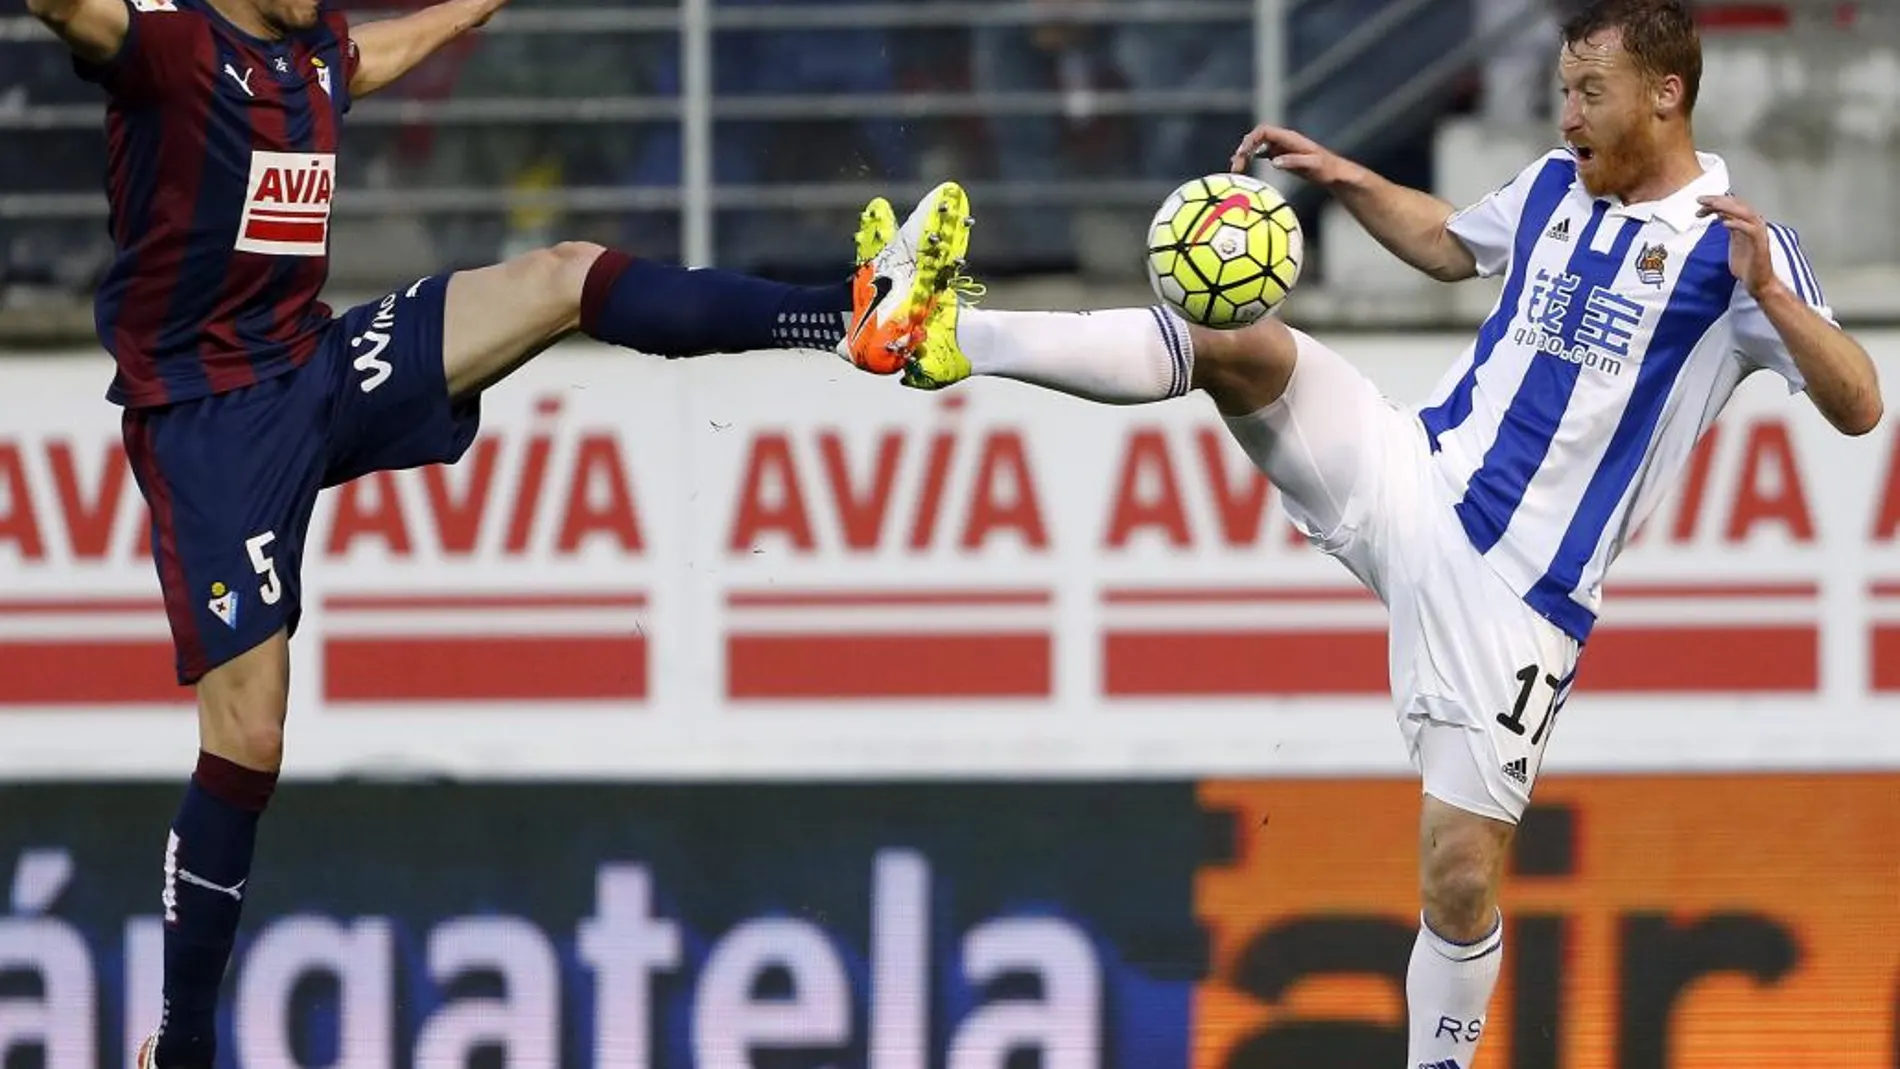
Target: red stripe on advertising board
x=1770 y=658
x=485 y=668
x=1885 y=654
x=1328 y=594
x=855 y=599
x=990 y=665
x=1699 y=591
x=152 y=607
x=1767 y=659
x=1237 y=663
x=90 y=672
x=424 y=602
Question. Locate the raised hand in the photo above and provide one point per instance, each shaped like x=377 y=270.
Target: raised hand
x=1749 y=259
x=1289 y=151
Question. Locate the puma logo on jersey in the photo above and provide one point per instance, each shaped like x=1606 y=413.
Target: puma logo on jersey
x=287 y=204
x=244 y=82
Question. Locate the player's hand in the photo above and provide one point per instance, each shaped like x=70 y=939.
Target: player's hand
x=1749 y=259
x=486 y=10
x=1289 y=151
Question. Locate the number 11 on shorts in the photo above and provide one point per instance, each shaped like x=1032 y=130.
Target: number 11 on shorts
x=1527 y=681
x=270 y=590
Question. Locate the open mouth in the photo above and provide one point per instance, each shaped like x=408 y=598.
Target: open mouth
x=1584 y=153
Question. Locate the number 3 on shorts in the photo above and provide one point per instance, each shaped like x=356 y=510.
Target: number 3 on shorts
x=1513 y=721
x=271 y=590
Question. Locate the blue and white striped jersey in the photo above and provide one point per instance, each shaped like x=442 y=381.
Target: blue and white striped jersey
x=1618 y=337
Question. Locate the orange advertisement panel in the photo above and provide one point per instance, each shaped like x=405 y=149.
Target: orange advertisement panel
x=1686 y=922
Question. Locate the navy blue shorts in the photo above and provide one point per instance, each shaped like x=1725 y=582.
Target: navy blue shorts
x=232 y=480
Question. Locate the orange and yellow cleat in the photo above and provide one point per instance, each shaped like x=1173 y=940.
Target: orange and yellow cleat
x=895 y=291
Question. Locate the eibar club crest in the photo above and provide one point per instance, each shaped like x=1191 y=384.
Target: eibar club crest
x=223 y=604
x=1650 y=263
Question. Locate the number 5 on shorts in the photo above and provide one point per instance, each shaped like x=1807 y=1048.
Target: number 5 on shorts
x=271 y=590
x=1527 y=679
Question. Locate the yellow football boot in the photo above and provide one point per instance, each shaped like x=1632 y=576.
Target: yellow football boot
x=877 y=225
x=895 y=291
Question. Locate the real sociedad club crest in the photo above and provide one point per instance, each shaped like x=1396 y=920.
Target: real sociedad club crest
x=1650 y=262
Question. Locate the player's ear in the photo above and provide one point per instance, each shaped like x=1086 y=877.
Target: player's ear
x=1667 y=93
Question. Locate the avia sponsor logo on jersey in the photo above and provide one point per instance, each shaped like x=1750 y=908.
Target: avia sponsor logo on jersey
x=1598 y=335
x=287 y=204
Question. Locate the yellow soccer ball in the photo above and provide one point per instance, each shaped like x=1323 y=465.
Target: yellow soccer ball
x=1224 y=250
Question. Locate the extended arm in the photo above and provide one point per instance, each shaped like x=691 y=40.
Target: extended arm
x=1840 y=376
x=93 y=29
x=1411 y=224
x=1786 y=325
x=391 y=48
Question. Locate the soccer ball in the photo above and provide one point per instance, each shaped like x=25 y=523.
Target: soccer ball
x=1224 y=250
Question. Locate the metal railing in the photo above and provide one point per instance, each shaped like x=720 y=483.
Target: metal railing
x=698 y=110
x=698 y=198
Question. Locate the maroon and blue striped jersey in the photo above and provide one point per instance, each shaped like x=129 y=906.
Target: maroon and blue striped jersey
x=221 y=167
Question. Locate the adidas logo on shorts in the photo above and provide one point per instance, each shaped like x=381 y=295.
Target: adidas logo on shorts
x=1446 y=1064
x=1520 y=771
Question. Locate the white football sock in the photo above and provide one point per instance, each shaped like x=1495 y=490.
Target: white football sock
x=1125 y=356
x=1447 y=991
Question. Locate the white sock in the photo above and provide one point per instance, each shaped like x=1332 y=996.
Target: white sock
x=1447 y=991
x=1126 y=356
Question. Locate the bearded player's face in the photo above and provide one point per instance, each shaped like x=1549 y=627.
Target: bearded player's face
x=1610 y=115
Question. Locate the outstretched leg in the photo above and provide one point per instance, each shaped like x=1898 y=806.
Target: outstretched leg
x=497 y=318
x=1316 y=449
x=1123 y=356
x=1120 y=356
x=1320 y=431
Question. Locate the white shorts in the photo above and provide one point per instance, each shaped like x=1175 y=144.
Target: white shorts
x=1478 y=677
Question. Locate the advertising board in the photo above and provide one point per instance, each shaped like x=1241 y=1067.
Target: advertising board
x=1654 y=922
x=771 y=564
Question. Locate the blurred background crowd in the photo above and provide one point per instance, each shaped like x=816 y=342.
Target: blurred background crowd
x=1068 y=119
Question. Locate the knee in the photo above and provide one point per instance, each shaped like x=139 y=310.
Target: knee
x=560 y=268
x=261 y=744
x=245 y=729
x=241 y=708
x=1459 y=872
x=1244 y=370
